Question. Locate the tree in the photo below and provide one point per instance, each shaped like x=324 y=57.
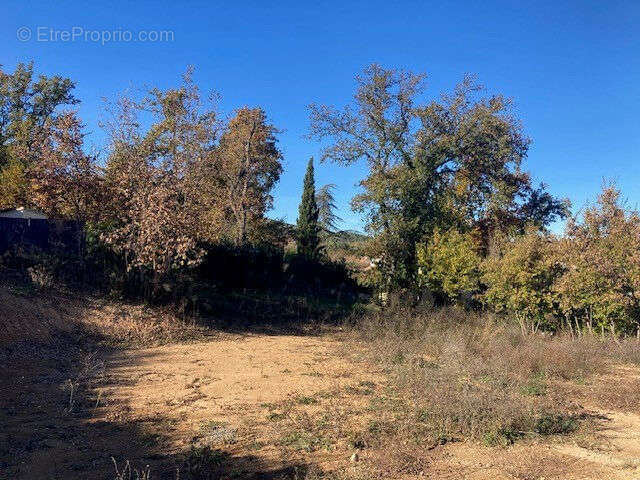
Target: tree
x=308 y=229
x=327 y=217
x=153 y=179
x=468 y=152
x=65 y=181
x=184 y=180
x=247 y=166
x=600 y=287
x=14 y=185
x=449 y=163
x=26 y=105
x=378 y=128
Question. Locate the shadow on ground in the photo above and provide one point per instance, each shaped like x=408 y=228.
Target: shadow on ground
x=271 y=313
x=55 y=424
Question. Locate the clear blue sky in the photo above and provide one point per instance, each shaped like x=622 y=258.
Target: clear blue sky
x=573 y=68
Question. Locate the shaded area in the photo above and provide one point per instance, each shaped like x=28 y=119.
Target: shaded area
x=56 y=421
x=274 y=313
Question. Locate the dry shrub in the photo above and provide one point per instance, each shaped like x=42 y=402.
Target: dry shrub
x=464 y=375
x=125 y=324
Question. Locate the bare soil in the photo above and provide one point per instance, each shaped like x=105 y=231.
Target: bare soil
x=256 y=401
x=205 y=404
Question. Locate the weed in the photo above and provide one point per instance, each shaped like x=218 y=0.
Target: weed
x=358 y=441
x=90 y=371
x=502 y=436
x=306 y=400
x=456 y=375
x=204 y=462
x=215 y=432
x=256 y=445
x=130 y=473
x=276 y=417
x=556 y=424
x=305 y=441
x=535 y=387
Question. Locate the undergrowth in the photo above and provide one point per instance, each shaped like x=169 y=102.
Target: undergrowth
x=455 y=375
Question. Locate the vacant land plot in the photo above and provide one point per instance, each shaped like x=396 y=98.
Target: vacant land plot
x=267 y=406
x=430 y=396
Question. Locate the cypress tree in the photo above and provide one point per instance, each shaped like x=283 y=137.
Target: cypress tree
x=308 y=228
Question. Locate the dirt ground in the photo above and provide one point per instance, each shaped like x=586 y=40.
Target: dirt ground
x=248 y=405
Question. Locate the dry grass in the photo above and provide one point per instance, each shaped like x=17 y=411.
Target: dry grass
x=22 y=319
x=410 y=393
x=122 y=324
x=458 y=376
x=448 y=377
x=36 y=315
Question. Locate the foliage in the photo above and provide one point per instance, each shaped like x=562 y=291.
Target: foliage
x=148 y=177
x=449 y=163
x=26 y=106
x=242 y=170
x=601 y=284
x=326 y=201
x=449 y=265
x=269 y=233
x=587 y=279
x=378 y=128
x=14 y=184
x=521 y=277
x=65 y=181
x=308 y=229
x=182 y=200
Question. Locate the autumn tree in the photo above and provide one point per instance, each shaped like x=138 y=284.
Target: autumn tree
x=600 y=288
x=245 y=167
x=27 y=104
x=308 y=229
x=154 y=178
x=65 y=181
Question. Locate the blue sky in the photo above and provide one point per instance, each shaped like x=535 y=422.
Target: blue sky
x=572 y=67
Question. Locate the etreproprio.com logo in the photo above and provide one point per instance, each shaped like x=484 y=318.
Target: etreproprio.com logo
x=81 y=34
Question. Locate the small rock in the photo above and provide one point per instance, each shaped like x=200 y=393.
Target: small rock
x=354 y=458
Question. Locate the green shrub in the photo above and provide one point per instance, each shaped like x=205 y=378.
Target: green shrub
x=520 y=280
x=449 y=265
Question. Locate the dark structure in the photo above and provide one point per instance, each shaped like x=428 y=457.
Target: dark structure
x=24 y=229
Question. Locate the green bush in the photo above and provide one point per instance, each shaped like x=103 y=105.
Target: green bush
x=448 y=265
x=520 y=278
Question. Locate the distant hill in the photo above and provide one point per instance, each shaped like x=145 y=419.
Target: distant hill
x=346 y=241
